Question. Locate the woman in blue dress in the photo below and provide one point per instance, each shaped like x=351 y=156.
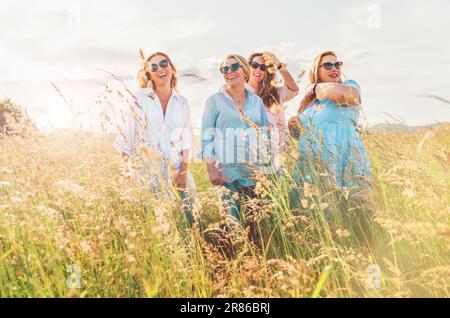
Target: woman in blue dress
x=327 y=125
x=233 y=126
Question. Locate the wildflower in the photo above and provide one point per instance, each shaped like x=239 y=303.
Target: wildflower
x=409 y=193
x=68 y=186
x=304 y=203
x=86 y=246
x=4 y=183
x=52 y=213
x=163 y=229
x=258 y=188
x=16 y=199
x=6 y=170
x=310 y=190
x=342 y=233
x=123 y=221
x=131 y=259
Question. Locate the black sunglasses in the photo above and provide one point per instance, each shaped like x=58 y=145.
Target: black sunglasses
x=255 y=65
x=329 y=66
x=162 y=64
x=233 y=67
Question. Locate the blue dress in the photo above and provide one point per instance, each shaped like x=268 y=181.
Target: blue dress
x=330 y=137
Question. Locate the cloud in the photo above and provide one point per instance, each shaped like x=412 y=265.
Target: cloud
x=60 y=39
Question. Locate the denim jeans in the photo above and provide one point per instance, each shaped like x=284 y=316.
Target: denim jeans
x=233 y=206
x=187 y=202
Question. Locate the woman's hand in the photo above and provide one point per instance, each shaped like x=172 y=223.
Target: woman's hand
x=271 y=59
x=342 y=95
x=181 y=180
x=309 y=91
x=215 y=175
x=294 y=127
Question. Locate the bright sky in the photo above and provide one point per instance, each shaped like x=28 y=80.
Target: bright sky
x=395 y=49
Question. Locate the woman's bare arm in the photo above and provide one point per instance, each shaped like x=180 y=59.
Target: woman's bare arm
x=342 y=95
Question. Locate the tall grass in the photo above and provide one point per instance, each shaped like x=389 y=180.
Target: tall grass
x=66 y=202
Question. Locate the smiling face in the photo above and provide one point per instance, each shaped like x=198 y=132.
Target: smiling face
x=327 y=76
x=236 y=77
x=163 y=75
x=256 y=75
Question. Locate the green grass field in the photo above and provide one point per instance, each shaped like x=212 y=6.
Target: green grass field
x=72 y=225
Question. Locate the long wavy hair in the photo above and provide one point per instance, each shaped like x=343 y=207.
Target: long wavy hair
x=268 y=93
x=144 y=77
x=314 y=79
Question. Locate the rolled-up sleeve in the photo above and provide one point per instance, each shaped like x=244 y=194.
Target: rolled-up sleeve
x=126 y=138
x=208 y=129
x=187 y=142
x=286 y=94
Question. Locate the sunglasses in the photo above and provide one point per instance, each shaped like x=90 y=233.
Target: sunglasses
x=162 y=64
x=233 y=67
x=329 y=66
x=255 y=65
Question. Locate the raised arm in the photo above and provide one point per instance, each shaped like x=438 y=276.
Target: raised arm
x=347 y=93
x=291 y=85
x=292 y=88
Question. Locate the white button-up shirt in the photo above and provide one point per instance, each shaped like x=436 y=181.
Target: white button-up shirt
x=168 y=136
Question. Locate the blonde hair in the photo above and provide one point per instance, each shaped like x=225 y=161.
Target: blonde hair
x=242 y=61
x=314 y=78
x=267 y=91
x=144 y=77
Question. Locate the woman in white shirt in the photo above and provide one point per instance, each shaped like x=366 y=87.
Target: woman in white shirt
x=158 y=130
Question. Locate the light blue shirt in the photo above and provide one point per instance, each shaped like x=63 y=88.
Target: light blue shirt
x=237 y=141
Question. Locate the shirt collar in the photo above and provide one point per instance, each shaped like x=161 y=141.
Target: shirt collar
x=247 y=88
x=149 y=92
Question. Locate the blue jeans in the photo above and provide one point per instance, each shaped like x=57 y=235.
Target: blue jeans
x=187 y=202
x=233 y=206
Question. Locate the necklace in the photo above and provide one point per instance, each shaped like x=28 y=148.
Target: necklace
x=240 y=100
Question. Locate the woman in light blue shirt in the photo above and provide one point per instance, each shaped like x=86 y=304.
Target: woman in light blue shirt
x=234 y=134
x=329 y=141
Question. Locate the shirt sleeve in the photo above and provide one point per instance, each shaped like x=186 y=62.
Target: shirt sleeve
x=126 y=137
x=187 y=130
x=353 y=84
x=286 y=94
x=208 y=129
